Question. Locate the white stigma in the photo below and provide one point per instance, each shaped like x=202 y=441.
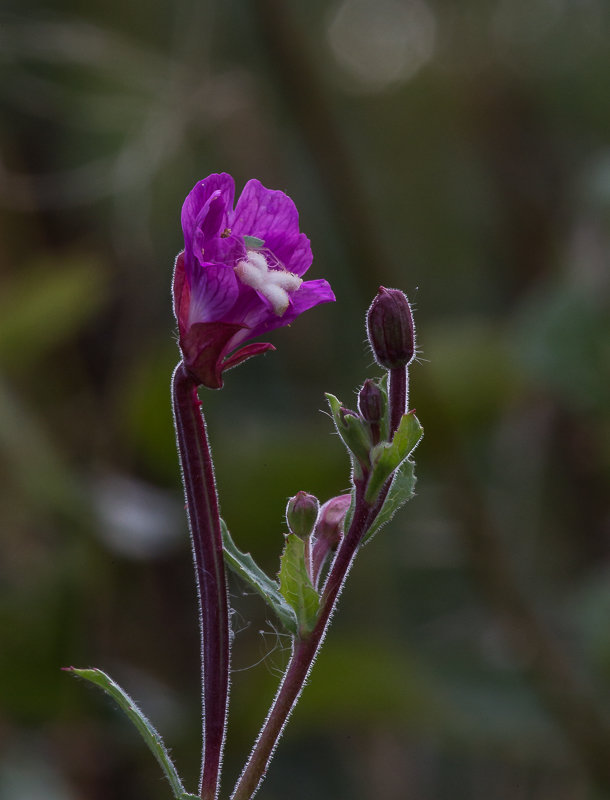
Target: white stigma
x=274 y=284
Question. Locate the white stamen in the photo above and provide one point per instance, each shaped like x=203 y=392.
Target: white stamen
x=277 y=297
x=250 y=275
x=287 y=280
x=274 y=284
x=258 y=260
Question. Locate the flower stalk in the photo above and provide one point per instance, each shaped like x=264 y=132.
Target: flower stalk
x=398 y=390
x=303 y=655
x=305 y=649
x=206 y=540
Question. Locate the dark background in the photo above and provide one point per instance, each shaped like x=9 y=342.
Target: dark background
x=459 y=151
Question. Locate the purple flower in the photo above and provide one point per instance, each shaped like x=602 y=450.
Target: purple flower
x=239 y=275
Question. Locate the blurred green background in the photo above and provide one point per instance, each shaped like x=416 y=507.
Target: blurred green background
x=458 y=151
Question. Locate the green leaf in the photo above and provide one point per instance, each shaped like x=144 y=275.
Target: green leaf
x=353 y=430
x=254 y=242
x=295 y=584
x=248 y=570
x=388 y=456
x=401 y=490
x=146 y=729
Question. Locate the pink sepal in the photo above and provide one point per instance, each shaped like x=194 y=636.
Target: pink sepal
x=203 y=348
x=246 y=352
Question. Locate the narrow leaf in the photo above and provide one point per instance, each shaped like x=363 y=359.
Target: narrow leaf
x=147 y=731
x=401 y=490
x=248 y=570
x=388 y=456
x=354 y=433
x=335 y=406
x=295 y=584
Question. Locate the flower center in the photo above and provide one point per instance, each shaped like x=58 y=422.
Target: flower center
x=274 y=284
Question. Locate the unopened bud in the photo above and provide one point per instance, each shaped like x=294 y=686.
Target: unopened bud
x=329 y=531
x=370 y=401
x=332 y=516
x=390 y=329
x=302 y=513
x=356 y=434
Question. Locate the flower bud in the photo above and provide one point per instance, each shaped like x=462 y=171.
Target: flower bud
x=356 y=434
x=302 y=513
x=370 y=402
x=390 y=329
x=329 y=532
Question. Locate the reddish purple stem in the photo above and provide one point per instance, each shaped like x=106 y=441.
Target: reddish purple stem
x=304 y=650
x=206 y=539
x=302 y=658
x=398 y=394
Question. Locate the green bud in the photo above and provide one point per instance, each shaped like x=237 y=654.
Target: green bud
x=355 y=433
x=302 y=513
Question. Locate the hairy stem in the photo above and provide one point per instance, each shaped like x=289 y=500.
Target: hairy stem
x=398 y=395
x=303 y=655
x=304 y=651
x=204 y=522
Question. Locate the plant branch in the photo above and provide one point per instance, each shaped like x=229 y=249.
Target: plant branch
x=304 y=650
x=303 y=655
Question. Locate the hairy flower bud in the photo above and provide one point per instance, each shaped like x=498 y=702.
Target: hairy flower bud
x=370 y=402
x=330 y=522
x=328 y=532
x=390 y=329
x=356 y=434
x=302 y=513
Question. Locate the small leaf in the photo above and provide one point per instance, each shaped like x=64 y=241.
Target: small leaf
x=401 y=490
x=248 y=570
x=335 y=407
x=254 y=242
x=147 y=731
x=388 y=456
x=295 y=584
x=353 y=430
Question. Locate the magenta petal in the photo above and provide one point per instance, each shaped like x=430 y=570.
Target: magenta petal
x=213 y=215
x=296 y=256
x=266 y=211
x=271 y=216
x=203 y=247
x=214 y=291
x=199 y=196
x=310 y=294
